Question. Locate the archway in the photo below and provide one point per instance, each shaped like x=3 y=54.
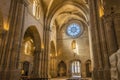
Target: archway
x=77 y=14
x=62 y=69
x=25 y=68
x=30 y=52
x=88 y=68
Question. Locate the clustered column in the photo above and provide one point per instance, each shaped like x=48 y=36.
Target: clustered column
x=44 y=55
x=9 y=62
x=97 y=72
x=100 y=46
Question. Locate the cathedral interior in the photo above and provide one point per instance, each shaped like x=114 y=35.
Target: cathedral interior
x=59 y=39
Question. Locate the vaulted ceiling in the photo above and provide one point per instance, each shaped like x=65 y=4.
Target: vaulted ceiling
x=63 y=11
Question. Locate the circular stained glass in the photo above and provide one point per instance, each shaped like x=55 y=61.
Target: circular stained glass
x=74 y=30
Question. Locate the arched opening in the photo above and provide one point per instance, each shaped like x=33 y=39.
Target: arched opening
x=25 y=69
x=30 y=53
x=88 y=68
x=73 y=45
x=75 y=68
x=62 y=68
x=73 y=36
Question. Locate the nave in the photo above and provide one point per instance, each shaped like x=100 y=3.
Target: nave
x=59 y=39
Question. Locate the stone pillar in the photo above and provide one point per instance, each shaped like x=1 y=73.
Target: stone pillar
x=44 y=58
x=40 y=64
x=2 y=45
x=11 y=52
x=110 y=34
x=47 y=51
x=117 y=26
x=95 y=36
x=110 y=41
x=49 y=65
x=36 y=64
x=104 y=50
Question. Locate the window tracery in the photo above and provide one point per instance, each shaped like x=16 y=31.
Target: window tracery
x=76 y=68
x=74 y=30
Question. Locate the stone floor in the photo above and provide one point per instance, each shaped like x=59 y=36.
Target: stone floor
x=70 y=79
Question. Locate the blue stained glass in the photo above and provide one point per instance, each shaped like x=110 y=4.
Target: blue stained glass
x=73 y=30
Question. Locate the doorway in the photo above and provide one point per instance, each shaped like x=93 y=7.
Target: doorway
x=62 y=69
x=25 y=68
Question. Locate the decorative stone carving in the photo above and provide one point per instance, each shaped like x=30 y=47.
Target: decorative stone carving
x=115 y=65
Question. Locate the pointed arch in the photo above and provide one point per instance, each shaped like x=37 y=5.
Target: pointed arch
x=75 y=67
x=73 y=44
x=88 y=68
x=31 y=42
x=62 y=68
x=32 y=32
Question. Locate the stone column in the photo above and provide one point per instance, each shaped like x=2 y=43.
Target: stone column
x=110 y=34
x=49 y=65
x=117 y=26
x=2 y=45
x=2 y=55
x=40 y=64
x=104 y=50
x=11 y=52
x=95 y=36
x=47 y=51
x=110 y=42
x=44 y=55
x=36 y=64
